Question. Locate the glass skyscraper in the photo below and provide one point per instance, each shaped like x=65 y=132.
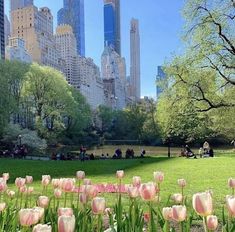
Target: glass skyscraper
x=112 y=34
x=2 y=36
x=73 y=14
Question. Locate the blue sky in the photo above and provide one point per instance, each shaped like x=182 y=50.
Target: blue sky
x=160 y=31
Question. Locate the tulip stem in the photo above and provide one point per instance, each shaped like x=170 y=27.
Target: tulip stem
x=99 y=227
x=181 y=226
x=232 y=191
x=79 y=184
x=204 y=224
x=65 y=198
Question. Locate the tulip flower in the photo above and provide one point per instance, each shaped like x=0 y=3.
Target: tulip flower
x=147 y=191
x=40 y=211
x=133 y=192
x=181 y=183
x=3 y=185
x=158 y=177
x=91 y=191
x=136 y=181
x=65 y=211
x=28 y=217
x=202 y=204
x=120 y=174
x=46 y=180
x=66 y=223
x=23 y=189
x=30 y=190
x=146 y=217
x=108 y=211
x=20 y=182
x=67 y=184
x=2 y=206
x=42 y=228
x=6 y=176
x=43 y=201
x=57 y=193
x=29 y=179
x=86 y=181
x=80 y=175
x=212 y=222
x=177 y=198
x=55 y=183
x=83 y=198
x=167 y=213
x=98 y=205
x=230 y=203
x=231 y=184
x=179 y=213
x=11 y=194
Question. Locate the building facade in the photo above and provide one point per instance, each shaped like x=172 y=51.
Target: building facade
x=161 y=85
x=135 y=60
x=7 y=29
x=16 y=50
x=73 y=14
x=113 y=74
x=35 y=27
x=2 y=35
x=18 y=4
x=112 y=25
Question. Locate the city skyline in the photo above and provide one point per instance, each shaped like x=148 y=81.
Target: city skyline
x=160 y=26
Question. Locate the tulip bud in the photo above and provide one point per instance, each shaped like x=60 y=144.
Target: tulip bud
x=23 y=189
x=177 y=198
x=167 y=213
x=10 y=194
x=57 y=193
x=46 y=180
x=87 y=182
x=43 y=201
x=158 y=177
x=55 y=183
x=120 y=174
x=65 y=211
x=3 y=185
x=42 y=228
x=80 y=175
x=136 y=181
x=211 y=222
x=2 y=206
x=146 y=217
x=29 y=179
x=83 y=198
x=133 y=192
x=147 y=191
x=98 y=205
x=66 y=223
x=202 y=204
x=6 y=176
x=231 y=183
x=182 y=183
x=179 y=213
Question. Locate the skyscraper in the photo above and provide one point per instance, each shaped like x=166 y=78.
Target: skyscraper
x=135 y=60
x=112 y=26
x=18 y=4
x=2 y=36
x=73 y=14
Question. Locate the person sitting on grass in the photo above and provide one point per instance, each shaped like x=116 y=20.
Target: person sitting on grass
x=189 y=153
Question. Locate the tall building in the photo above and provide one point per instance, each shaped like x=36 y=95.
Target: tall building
x=7 y=29
x=112 y=25
x=2 y=36
x=35 y=27
x=73 y=14
x=16 y=50
x=114 y=77
x=135 y=60
x=18 y=4
x=161 y=85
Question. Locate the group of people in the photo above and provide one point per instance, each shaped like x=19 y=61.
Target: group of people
x=18 y=152
x=204 y=152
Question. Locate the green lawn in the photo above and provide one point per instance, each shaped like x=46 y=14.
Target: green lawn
x=201 y=174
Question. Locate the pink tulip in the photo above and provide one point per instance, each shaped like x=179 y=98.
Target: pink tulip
x=55 y=183
x=29 y=179
x=28 y=217
x=182 y=183
x=83 y=198
x=177 y=198
x=147 y=191
x=19 y=182
x=179 y=213
x=42 y=228
x=3 y=185
x=91 y=191
x=23 y=189
x=167 y=213
x=158 y=177
x=133 y=192
x=211 y=222
x=80 y=175
x=10 y=194
x=108 y=211
x=136 y=181
x=65 y=211
x=40 y=211
x=67 y=184
x=87 y=182
x=30 y=190
x=231 y=183
x=146 y=217
x=43 y=201
x=120 y=174
x=2 y=206
x=46 y=180
x=98 y=205
x=57 y=193
x=202 y=204
x=66 y=223
x=230 y=202
x=6 y=176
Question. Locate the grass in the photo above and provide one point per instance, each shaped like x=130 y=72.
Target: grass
x=200 y=174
